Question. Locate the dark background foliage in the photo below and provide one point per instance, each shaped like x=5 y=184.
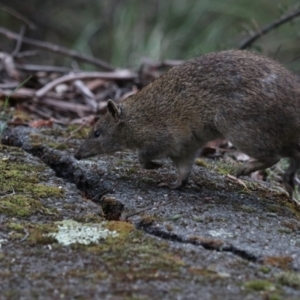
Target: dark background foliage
x=123 y=32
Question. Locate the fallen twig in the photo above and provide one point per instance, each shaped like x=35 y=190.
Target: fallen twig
x=25 y=236
x=27 y=53
x=88 y=96
x=7 y=63
x=21 y=93
x=19 y=41
x=67 y=106
x=18 y=16
x=6 y=195
x=237 y=180
x=38 y=68
x=117 y=75
x=72 y=134
x=59 y=49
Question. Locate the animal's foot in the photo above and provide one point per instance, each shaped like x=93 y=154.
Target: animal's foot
x=151 y=165
x=172 y=185
x=242 y=171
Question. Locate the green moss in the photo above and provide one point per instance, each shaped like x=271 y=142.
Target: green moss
x=265 y=269
x=21 y=185
x=259 y=285
x=274 y=297
x=38 y=233
x=90 y=218
x=201 y=163
x=291 y=279
x=129 y=255
x=247 y=208
x=224 y=168
x=131 y=170
x=150 y=259
x=22 y=206
x=59 y=146
x=15 y=226
x=76 y=133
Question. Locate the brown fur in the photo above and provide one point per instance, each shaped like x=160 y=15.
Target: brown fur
x=249 y=99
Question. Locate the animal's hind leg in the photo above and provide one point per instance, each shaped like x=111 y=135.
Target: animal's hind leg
x=255 y=165
x=288 y=177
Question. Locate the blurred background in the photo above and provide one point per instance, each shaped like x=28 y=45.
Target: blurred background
x=124 y=32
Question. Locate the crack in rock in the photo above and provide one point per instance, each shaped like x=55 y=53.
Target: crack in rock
x=64 y=165
x=206 y=243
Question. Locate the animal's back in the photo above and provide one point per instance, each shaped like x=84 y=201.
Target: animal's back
x=231 y=92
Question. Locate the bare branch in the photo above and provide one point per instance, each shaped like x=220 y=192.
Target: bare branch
x=117 y=75
x=276 y=23
x=19 y=41
x=7 y=63
x=38 y=68
x=59 y=49
x=72 y=107
x=88 y=96
x=21 y=93
x=27 y=53
x=18 y=16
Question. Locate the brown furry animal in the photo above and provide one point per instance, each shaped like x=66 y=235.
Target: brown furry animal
x=247 y=98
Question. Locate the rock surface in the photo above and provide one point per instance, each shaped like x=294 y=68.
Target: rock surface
x=218 y=238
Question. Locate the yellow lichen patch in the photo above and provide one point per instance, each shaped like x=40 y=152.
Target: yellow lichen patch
x=123 y=228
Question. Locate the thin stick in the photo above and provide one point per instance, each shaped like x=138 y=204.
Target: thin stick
x=88 y=96
x=27 y=53
x=117 y=75
x=72 y=134
x=11 y=194
x=276 y=23
x=18 y=16
x=37 y=68
x=19 y=41
x=59 y=49
x=25 y=236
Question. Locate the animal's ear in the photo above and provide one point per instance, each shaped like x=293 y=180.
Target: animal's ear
x=114 y=110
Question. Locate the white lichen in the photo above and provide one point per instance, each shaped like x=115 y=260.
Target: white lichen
x=2 y=241
x=70 y=232
x=220 y=233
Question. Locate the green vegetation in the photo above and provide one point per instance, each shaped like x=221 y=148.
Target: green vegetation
x=291 y=279
x=123 y=32
x=21 y=187
x=259 y=285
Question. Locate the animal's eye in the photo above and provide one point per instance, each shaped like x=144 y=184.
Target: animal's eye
x=97 y=133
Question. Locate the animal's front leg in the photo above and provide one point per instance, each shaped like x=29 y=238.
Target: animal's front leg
x=145 y=159
x=184 y=166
